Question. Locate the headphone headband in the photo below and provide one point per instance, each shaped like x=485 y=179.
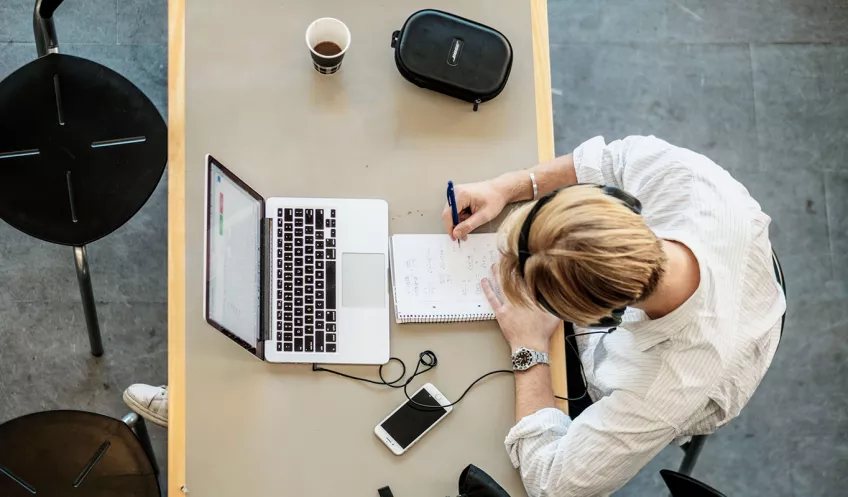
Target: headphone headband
x=524 y=253
x=524 y=235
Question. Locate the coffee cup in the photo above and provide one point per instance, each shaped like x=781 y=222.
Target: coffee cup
x=328 y=40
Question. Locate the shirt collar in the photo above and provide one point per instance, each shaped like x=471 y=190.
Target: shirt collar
x=649 y=332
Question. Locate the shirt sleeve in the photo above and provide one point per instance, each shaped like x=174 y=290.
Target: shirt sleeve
x=594 y=455
x=623 y=163
x=659 y=174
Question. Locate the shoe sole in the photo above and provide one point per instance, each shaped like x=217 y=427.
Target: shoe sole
x=144 y=413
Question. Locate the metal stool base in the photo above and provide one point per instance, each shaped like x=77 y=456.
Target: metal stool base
x=138 y=425
x=88 y=305
x=693 y=450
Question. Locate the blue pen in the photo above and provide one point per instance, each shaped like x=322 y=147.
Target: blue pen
x=452 y=204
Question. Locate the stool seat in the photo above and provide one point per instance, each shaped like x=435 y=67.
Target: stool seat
x=73 y=453
x=81 y=149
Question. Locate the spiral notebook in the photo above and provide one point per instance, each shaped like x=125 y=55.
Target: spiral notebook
x=437 y=281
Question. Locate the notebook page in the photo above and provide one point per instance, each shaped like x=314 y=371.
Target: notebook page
x=436 y=280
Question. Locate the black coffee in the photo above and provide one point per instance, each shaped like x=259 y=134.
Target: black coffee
x=327 y=48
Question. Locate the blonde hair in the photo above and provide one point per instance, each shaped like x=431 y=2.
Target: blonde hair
x=590 y=254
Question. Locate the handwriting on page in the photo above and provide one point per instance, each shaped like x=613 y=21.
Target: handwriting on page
x=441 y=271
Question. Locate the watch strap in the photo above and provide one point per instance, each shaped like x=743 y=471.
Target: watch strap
x=541 y=358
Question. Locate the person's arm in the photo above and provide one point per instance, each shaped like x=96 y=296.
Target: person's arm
x=517 y=186
x=628 y=164
x=595 y=454
x=531 y=328
x=479 y=203
x=533 y=390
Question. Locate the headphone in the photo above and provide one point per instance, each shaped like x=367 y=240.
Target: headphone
x=614 y=319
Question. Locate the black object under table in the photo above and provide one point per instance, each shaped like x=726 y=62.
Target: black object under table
x=81 y=151
x=76 y=453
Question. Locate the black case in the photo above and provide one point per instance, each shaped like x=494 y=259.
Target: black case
x=453 y=55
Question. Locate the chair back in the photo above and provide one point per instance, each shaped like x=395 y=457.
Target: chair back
x=681 y=485
x=778 y=273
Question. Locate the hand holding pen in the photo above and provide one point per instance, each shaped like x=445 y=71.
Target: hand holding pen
x=473 y=205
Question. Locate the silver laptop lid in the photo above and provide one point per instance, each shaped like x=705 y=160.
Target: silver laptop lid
x=234 y=261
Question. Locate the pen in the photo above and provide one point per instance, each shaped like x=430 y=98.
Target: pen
x=452 y=204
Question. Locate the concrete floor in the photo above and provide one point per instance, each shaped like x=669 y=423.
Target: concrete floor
x=759 y=86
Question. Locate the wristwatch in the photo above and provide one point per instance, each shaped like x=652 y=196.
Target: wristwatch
x=524 y=358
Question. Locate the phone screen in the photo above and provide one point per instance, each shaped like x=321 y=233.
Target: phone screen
x=408 y=423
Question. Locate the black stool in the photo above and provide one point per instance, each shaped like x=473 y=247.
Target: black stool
x=76 y=453
x=81 y=151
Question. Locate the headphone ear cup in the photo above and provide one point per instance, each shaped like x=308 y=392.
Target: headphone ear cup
x=607 y=321
x=617 y=315
x=627 y=199
x=611 y=321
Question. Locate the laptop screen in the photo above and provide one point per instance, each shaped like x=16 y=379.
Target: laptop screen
x=233 y=249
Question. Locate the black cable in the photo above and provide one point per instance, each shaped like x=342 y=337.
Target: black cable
x=582 y=375
x=429 y=360
x=577 y=355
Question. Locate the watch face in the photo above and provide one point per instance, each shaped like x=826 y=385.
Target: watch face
x=521 y=359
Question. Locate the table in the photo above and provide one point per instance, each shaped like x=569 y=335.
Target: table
x=243 y=81
x=81 y=151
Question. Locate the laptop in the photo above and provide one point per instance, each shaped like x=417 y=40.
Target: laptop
x=296 y=280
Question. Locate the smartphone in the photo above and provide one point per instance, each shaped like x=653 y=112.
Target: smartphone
x=408 y=423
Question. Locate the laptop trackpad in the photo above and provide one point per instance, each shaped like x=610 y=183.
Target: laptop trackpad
x=363 y=280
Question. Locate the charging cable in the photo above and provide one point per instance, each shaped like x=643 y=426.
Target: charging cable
x=428 y=360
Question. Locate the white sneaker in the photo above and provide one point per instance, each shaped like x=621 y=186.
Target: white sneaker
x=149 y=402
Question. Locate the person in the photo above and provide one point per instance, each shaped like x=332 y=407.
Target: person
x=692 y=273
x=149 y=402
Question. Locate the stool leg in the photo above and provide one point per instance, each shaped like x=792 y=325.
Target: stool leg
x=45 y=33
x=88 y=306
x=137 y=423
x=691 y=457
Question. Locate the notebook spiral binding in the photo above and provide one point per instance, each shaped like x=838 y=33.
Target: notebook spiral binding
x=454 y=318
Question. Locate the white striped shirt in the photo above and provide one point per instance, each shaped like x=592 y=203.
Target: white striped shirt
x=686 y=373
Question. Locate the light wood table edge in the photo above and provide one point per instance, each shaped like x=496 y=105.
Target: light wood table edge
x=545 y=142
x=176 y=248
x=176 y=219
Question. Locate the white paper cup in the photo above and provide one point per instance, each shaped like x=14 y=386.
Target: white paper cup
x=327 y=30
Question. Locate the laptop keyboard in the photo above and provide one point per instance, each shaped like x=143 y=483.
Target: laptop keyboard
x=305 y=282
